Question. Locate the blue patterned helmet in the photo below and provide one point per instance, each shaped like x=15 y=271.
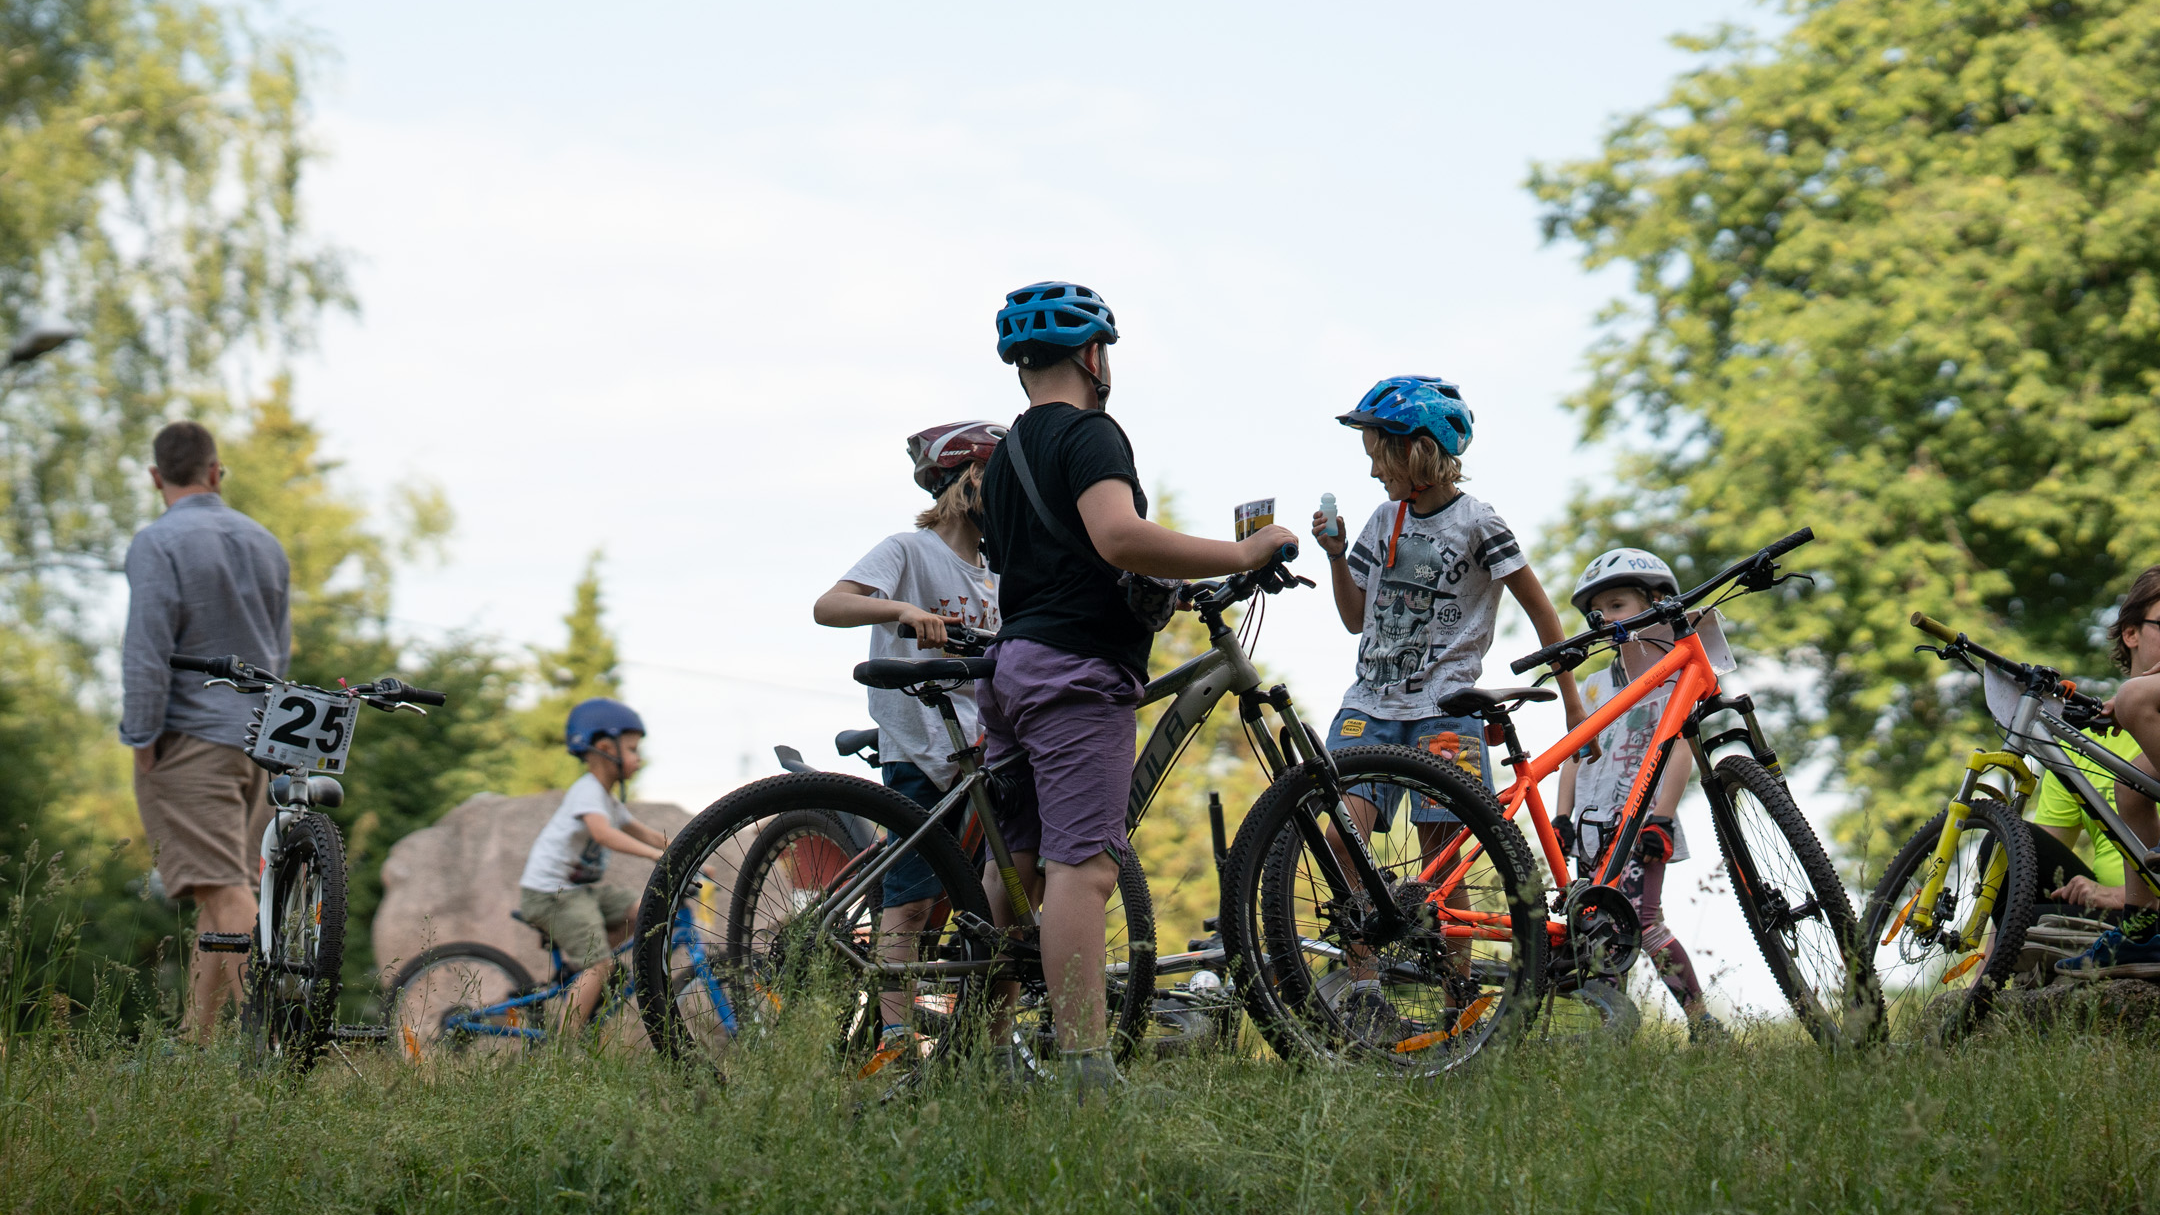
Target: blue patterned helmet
x=1045 y=323
x=599 y=718
x=1406 y=405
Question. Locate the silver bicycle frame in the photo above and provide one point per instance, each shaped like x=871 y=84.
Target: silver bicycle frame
x=2048 y=751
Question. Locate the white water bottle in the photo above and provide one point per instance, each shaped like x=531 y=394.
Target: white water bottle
x=1327 y=512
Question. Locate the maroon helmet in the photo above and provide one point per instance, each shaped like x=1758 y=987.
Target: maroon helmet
x=941 y=452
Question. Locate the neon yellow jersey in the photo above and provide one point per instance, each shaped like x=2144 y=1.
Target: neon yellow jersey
x=2056 y=806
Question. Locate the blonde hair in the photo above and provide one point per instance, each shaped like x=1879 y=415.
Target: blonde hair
x=1415 y=458
x=961 y=499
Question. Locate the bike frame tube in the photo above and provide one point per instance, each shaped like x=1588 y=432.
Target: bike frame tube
x=1697 y=682
x=2051 y=755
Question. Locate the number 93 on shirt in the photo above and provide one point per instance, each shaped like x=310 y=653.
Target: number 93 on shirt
x=304 y=730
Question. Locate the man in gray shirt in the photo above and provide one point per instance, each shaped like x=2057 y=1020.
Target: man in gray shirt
x=203 y=579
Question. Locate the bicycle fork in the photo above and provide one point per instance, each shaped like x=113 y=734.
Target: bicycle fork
x=1919 y=912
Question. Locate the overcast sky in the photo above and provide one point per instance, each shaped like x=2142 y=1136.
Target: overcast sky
x=675 y=282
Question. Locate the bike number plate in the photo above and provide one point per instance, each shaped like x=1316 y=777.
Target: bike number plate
x=309 y=731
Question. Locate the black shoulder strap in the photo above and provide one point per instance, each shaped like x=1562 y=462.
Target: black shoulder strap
x=1013 y=449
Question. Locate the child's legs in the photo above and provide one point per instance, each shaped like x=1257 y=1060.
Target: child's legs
x=584 y=921
x=911 y=889
x=2137 y=710
x=1075 y=718
x=1665 y=951
x=2136 y=811
x=1371 y=807
x=1076 y=900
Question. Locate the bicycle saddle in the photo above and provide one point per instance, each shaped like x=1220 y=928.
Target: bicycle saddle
x=890 y=673
x=1476 y=702
x=546 y=941
x=848 y=742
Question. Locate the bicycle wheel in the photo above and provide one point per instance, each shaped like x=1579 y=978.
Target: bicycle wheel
x=1128 y=980
x=1794 y=904
x=1445 y=989
x=1939 y=967
x=766 y=851
x=449 y=1001
x=294 y=978
x=788 y=866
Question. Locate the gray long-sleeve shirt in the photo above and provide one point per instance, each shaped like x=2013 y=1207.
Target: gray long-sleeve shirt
x=203 y=579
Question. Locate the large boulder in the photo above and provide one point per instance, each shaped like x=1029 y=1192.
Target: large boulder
x=458 y=879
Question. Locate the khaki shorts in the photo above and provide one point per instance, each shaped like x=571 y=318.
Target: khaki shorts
x=578 y=918
x=204 y=806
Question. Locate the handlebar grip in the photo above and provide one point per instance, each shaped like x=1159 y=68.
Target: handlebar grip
x=1287 y=553
x=220 y=668
x=422 y=696
x=1790 y=543
x=1555 y=650
x=1933 y=628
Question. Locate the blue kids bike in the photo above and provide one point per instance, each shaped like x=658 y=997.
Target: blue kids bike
x=470 y=998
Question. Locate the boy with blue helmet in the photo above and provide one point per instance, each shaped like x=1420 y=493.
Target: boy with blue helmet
x=922 y=579
x=1058 y=522
x=560 y=891
x=1421 y=586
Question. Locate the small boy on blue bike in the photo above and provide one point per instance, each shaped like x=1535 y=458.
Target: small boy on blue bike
x=560 y=891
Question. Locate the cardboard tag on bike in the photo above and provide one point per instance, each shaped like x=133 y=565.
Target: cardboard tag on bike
x=1254 y=515
x=304 y=730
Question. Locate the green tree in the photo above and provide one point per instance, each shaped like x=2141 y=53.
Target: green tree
x=586 y=666
x=153 y=155
x=1895 y=279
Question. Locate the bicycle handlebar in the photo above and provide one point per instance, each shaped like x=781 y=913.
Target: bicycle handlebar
x=959 y=639
x=2023 y=671
x=389 y=689
x=1577 y=648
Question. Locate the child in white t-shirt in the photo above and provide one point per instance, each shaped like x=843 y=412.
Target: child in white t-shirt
x=921 y=579
x=1421 y=587
x=1594 y=788
x=560 y=891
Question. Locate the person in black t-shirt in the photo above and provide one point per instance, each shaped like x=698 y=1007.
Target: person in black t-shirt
x=1071 y=658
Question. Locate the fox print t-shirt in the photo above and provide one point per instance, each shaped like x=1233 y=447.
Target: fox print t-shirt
x=1428 y=615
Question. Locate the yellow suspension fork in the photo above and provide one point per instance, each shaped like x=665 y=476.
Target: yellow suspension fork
x=1919 y=913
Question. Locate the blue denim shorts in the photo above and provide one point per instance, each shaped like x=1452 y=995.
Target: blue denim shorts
x=1357 y=728
x=910 y=879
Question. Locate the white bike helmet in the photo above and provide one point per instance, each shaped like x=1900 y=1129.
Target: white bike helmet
x=1623 y=567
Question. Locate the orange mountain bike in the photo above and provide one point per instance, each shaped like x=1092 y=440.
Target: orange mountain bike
x=1456 y=933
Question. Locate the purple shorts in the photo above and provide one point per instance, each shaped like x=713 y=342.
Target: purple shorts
x=1077 y=721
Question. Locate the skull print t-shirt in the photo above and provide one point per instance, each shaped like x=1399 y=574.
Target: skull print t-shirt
x=1429 y=612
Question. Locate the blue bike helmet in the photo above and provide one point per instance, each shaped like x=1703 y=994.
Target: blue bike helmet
x=599 y=718
x=1407 y=405
x=1044 y=323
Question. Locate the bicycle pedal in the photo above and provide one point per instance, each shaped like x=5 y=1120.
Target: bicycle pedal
x=224 y=942
x=361 y=1033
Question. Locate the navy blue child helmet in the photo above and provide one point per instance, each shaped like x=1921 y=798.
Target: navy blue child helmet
x=1043 y=324
x=1406 y=405
x=599 y=718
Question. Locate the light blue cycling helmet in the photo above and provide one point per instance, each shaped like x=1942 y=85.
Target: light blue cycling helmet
x=1044 y=323
x=1405 y=405
x=596 y=719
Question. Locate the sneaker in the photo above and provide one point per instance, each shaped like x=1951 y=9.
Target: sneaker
x=2115 y=955
x=1706 y=1030
x=1372 y=1019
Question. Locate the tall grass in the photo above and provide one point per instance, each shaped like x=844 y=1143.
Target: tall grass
x=2013 y=1122
x=100 y=1113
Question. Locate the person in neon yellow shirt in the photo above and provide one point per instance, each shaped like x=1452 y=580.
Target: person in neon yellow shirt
x=2058 y=812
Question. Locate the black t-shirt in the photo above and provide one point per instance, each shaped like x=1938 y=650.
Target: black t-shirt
x=1046 y=591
